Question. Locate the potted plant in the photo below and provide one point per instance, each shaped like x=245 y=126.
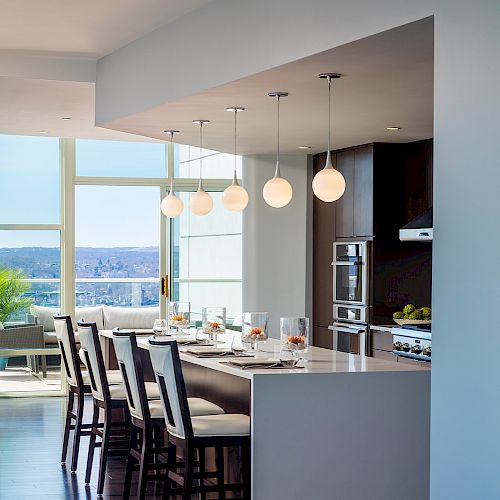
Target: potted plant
x=12 y=300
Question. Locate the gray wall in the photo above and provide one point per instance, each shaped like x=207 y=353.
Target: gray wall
x=275 y=250
x=465 y=411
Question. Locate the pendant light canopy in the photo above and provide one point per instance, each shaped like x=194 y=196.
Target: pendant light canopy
x=329 y=184
x=277 y=191
x=235 y=197
x=171 y=206
x=201 y=202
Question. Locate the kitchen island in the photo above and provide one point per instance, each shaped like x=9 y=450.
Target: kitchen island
x=342 y=427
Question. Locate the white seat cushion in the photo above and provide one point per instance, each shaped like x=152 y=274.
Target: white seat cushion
x=197 y=406
x=232 y=424
x=119 y=391
x=229 y=424
x=114 y=377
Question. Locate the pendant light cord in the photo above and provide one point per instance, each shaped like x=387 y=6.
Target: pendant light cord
x=235 y=180
x=329 y=112
x=277 y=172
x=200 y=185
x=171 y=176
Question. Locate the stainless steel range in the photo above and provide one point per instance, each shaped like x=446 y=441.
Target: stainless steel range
x=412 y=342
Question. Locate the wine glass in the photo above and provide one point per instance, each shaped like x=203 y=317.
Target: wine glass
x=289 y=355
x=160 y=327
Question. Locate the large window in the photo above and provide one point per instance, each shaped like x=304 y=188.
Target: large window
x=117 y=244
x=116 y=236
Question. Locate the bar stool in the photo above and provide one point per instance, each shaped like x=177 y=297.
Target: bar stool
x=106 y=397
x=196 y=433
x=78 y=386
x=146 y=416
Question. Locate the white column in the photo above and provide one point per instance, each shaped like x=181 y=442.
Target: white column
x=276 y=260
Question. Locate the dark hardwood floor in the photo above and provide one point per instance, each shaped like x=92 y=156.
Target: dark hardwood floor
x=30 y=447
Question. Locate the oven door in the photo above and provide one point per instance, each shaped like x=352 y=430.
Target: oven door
x=350 y=273
x=350 y=338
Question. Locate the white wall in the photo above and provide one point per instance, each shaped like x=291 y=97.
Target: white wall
x=275 y=253
x=228 y=39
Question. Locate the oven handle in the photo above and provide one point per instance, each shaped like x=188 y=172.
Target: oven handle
x=347 y=329
x=346 y=263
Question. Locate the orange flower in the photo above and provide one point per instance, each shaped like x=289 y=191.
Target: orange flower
x=256 y=331
x=177 y=317
x=296 y=339
x=214 y=325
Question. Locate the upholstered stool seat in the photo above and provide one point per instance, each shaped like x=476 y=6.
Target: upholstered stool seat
x=219 y=425
x=197 y=406
x=119 y=391
x=113 y=376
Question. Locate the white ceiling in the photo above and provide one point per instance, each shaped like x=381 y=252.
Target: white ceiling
x=387 y=80
x=28 y=107
x=90 y=28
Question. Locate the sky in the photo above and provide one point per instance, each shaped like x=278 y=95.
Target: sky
x=106 y=216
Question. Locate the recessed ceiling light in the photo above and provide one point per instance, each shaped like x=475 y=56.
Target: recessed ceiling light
x=43 y=132
x=66 y=118
x=393 y=129
x=303 y=147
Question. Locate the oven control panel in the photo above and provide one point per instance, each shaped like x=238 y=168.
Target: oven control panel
x=412 y=347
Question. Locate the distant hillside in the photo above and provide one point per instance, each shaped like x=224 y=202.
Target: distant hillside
x=119 y=262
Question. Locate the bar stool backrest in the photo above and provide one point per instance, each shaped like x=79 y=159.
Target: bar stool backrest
x=129 y=361
x=91 y=347
x=167 y=368
x=67 y=343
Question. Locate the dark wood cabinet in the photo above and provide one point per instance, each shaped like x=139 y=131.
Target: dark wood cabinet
x=322 y=337
x=344 y=209
x=363 y=192
x=354 y=211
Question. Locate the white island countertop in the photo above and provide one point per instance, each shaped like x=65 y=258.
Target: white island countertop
x=343 y=426
x=316 y=360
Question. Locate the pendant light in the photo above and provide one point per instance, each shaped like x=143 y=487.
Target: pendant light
x=171 y=206
x=201 y=202
x=277 y=191
x=235 y=197
x=329 y=184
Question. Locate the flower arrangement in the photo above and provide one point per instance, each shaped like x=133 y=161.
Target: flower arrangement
x=256 y=334
x=214 y=326
x=179 y=320
x=298 y=341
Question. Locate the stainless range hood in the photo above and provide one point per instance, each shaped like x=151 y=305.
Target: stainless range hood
x=418 y=229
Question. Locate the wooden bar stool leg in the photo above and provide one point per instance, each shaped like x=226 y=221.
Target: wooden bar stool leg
x=93 y=436
x=188 y=473
x=130 y=463
x=104 y=453
x=78 y=431
x=143 y=468
x=171 y=461
x=201 y=459
x=67 y=426
x=219 y=463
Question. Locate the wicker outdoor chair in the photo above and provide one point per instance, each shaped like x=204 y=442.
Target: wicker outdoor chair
x=23 y=337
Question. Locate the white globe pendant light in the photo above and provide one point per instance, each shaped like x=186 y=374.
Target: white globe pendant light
x=329 y=184
x=201 y=202
x=235 y=196
x=171 y=206
x=277 y=191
